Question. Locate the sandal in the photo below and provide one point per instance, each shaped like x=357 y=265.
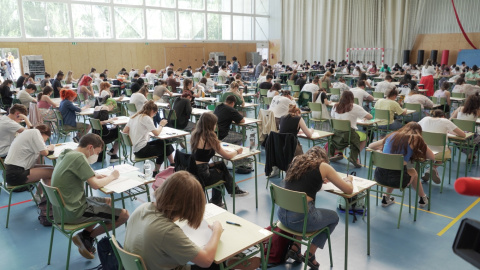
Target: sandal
x=311 y=260
x=296 y=255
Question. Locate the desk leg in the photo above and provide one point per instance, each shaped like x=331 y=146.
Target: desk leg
x=430 y=184
x=460 y=147
x=164 y=155
x=347 y=209
x=368 y=221
x=258 y=146
x=262 y=257
x=112 y=202
x=256 y=189
x=119 y=136
x=233 y=186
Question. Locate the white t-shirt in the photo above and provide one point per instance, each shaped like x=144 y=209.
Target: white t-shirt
x=464 y=116
x=150 y=77
x=25 y=98
x=311 y=87
x=132 y=73
x=7 y=133
x=25 y=149
x=261 y=79
x=279 y=106
x=105 y=93
x=360 y=94
x=138 y=99
x=271 y=93
x=438 y=125
x=459 y=89
x=428 y=71
x=419 y=99
x=140 y=126
x=356 y=113
x=341 y=85
x=415 y=72
x=210 y=84
x=198 y=75
x=384 y=87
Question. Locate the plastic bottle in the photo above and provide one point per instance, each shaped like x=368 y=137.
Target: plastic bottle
x=372 y=112
x=252 y=142
x=147 y=169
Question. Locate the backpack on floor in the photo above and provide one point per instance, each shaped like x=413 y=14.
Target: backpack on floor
x=357 y=207
x=42 y=213
x=162 y=176
x=278 y=248
x=108 y=260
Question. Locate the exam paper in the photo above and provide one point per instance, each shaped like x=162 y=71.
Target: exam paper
x=199 y=236
x=122 y=184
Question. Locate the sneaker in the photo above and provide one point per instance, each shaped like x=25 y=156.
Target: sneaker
x=275 y=172
x=82 y=245
x=114 y=158
x=37 y=198
x=386 y=201
x=337 y=157
x=436 y=177
x=240 y=193
x=110 y=153
x=423 y=201
x=426 y=177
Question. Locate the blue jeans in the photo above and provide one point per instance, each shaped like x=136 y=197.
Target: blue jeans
x=317 y=219
x=396 y=125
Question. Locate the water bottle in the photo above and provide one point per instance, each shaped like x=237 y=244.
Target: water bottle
x=252 y=142
x=438 y=100
x=147 y=169
x=372 y=112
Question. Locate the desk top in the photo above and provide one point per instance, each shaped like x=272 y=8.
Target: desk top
x=122 y=99
x=88 y=111
x=359 y=185
x=197 y=111
x=228 y=147
x=363 y=122
x=248 y=121
x=249 y=105
x=206 y=99
x=170 y=133
x=121 y=120
x=317 y=134
x=126 y=181
x=410 y=111
x=457 y=99
x=162 y=104
x=59 y=147
x=468 y=135
x=2 y=111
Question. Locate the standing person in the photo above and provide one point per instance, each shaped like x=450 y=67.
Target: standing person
x=57 y=84
x=259 y=68
x=346 y=109
x=439 y=124
x=428 y=71
x=139 y=127
x=11 y=126
x=20 y=164
x=226 y=114
x=21 y=80
x=68 y=111
x=153 y=235
x=69 y=176
x=307 y=173
x=389 y=103
x=408 y=142
x=234 y=69
x=3 y=70
x=44 y=102
x=6 y=93
x=25 y=95
x=205 y=144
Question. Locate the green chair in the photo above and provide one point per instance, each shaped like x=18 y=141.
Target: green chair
x=128 y=155
x=442 y=101
x=128 y=260
x=335 y=91
x=316 y=107
x=170 y=115
x=470 y=126
x=54 y=198
x=80 y=99
x=416 y=107
x=296 y=90
x=458 y=95
x=290 y=82
x=378 y=94
x=263 y=93
x=98 y=129
x=150 y=96
x=267 y=101
x=383 y=115
x=95 y=88
x=195 y=80
x=440 y=140
x=389 y=162
x=131 y=108
x=325 y=86
x=344 y=126
x=11 y=189
x=355 y=100
x=62 y=131
x=221 y=79
x=128 y=92
x=296 y=202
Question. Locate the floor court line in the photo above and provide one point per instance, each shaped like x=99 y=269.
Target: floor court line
x=444 y=230
x=5 y=206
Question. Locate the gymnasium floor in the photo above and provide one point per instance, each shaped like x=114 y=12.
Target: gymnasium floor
x=424 y=244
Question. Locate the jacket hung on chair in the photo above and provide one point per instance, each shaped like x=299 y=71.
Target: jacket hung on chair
x=280 y=150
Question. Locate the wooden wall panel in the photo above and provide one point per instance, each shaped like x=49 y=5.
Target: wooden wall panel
x=113 y=56
x=454 y=42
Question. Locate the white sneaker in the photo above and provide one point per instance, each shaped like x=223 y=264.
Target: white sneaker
x=423 y=201
x=386 y=201
x=275 y=172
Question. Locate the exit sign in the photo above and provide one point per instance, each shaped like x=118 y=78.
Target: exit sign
x=74 y=43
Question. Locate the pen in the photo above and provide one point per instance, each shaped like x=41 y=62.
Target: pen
x=233 y=223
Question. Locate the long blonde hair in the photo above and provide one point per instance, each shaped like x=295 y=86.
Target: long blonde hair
x=205 y=129
x=326 y=76
x=147 y=108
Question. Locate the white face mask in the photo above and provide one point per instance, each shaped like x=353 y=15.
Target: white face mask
x=92 y=158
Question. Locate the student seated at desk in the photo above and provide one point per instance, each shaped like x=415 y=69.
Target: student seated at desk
x=25 y=95
x=346 y=109
x=360 y=93
x=386 y=86
x=11 y=126
x=5 y=92
x=292 y=123
x=444 y=93
x=109 y=135
x=69 y=176
x=439 y=124
x=204 y=146
x=306 y=174
x=139 y=126
x=85 y=87
x=44 y=102
x=160 y=90
x=153 y=235
x=236 y=92
x=22 y=157
x=389 y=103
x=139 y=98
x=416 y=98
x=183 y=109
x=226 y=114
x=471 y=112
x=69 y=110
x=326 y=79
x=280 y=105
x=407 y=141
x=275 y=90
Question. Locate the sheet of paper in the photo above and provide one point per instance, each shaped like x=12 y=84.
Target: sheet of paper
x=122 y=184
x=200 y=236
x=212 y=210
x=123 y=168
x=331 y=186
x=60 y=147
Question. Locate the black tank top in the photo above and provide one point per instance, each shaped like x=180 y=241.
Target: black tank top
x=289 y=124
x=310 y=183
x=203 y=155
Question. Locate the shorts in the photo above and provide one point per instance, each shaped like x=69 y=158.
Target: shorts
x=391 y=178
x=81 y=126
x=362 y=135
x=98 y=210
x=16 y=175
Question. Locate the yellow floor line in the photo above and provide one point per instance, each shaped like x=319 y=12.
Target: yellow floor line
x=444 y=230
x=420 y=209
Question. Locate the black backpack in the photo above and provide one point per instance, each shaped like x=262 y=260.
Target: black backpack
x=108 y=260
x=42 y=212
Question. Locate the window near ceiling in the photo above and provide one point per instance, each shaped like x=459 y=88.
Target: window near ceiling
x=161 y=3
x=129 y=23
x=261 y=28
x=129 y=2
x=161 y=24
x=242 y=28
x=191 y=25
x=46 y=19
x=219 y=5
x=10 y=26
x=91 y=21
x=219 y=27
x=242 y=6
x=191 y=4
x=261 y=7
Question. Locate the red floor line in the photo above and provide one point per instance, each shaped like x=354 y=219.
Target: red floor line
x=5 y=206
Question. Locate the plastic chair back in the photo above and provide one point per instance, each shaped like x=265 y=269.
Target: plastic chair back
x=131 y=107
x=96 y=125
x=126 y=139
x=290 y=82
x=378 y=94
x=382 y=114
x=296 y=88
x=315 y=107
x=387 y=161
x=267 y=100
x=355 y=100
x=335 y=91
x=324 y=85
x=341 y=125
x=128 y=260
x=465 y=125
x=149 y=96
x=443 y=100
x=412 y=106
x=458 y=95
x=288 y=199
x=263 y=92
x=128 y=92
x=434 y=139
